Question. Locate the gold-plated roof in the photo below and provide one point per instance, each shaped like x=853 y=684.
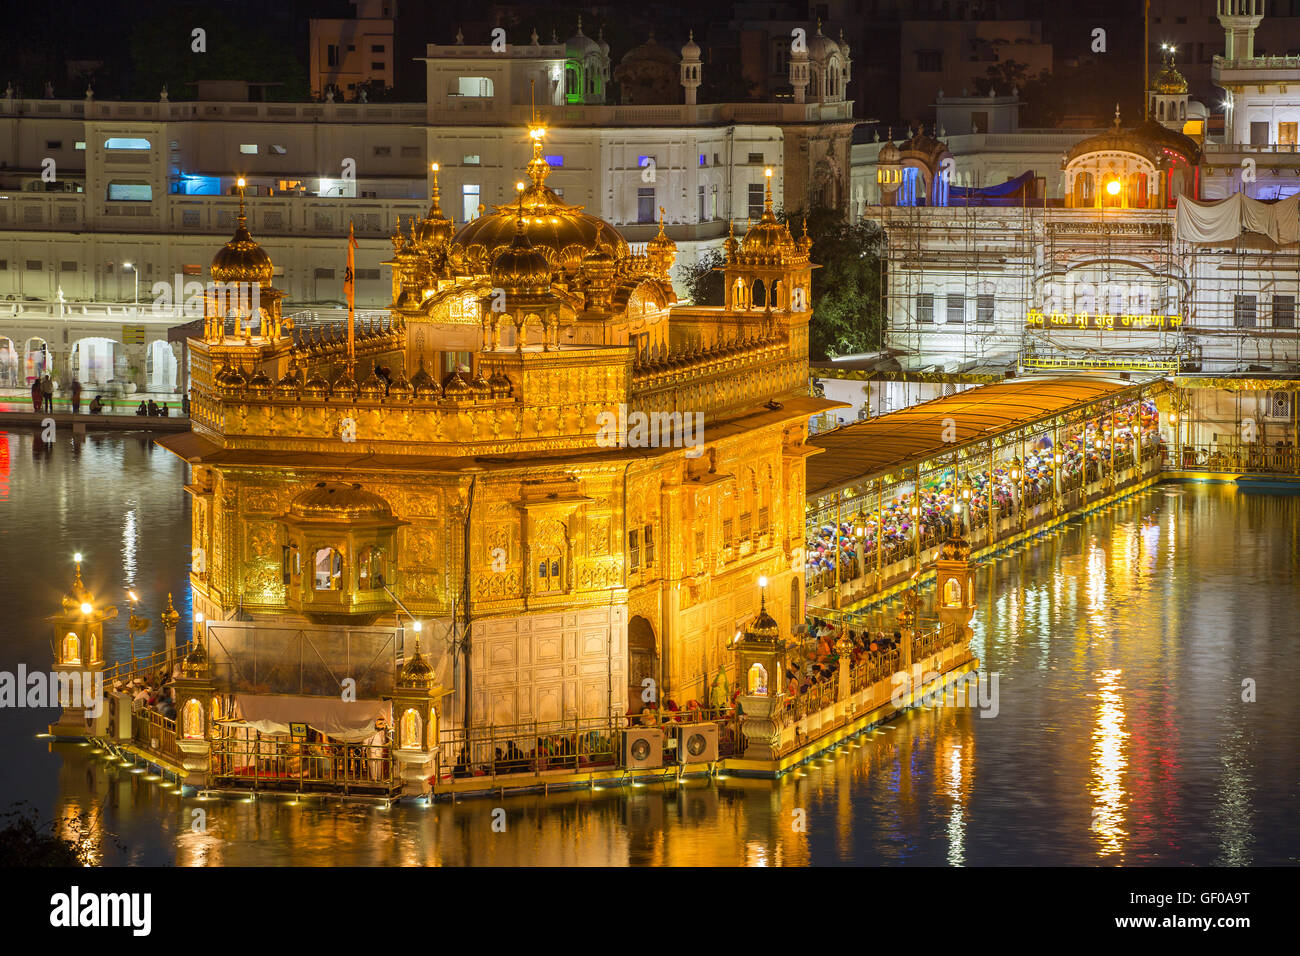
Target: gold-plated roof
x=416 y=672
x=563 y=233
x=339 y=501
x=242 y=259
x=1169 y=81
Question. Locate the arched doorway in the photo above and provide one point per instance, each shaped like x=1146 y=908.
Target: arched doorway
x=160 y=362
x=36 y=359
x=642 y=663
x=9 y=364
x=98 y=361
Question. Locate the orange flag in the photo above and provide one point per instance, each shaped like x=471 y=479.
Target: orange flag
x=350 y=291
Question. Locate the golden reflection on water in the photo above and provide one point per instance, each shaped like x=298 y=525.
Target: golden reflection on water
x=1110 y=801
x=1114 y=640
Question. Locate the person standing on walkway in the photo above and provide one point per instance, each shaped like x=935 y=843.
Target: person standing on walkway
x=76 y=396
x=36 y=396
x=47 y=393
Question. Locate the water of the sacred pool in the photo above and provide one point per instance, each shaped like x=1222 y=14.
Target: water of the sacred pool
x=1123 y=645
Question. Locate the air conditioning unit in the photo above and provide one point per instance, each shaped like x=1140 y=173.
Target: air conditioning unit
x=697 y=743
x=643 y=748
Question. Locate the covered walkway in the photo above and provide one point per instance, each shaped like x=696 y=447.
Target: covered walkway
x=994 y=460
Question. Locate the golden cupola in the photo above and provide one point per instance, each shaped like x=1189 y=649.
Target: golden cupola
x=521 y=268
x=767 y=242
x=565 y=232
x=661 y=251
x=1169 y=81
x=435 y=230
x=242 y=259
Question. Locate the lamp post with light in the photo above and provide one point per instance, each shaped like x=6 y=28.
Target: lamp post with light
x=135 y=274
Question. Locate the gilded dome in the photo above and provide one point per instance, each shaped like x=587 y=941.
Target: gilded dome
x=763 y=629
x=316 y=387
x=889 y=155
x=454 y=386
x=345 y=386
x=260 y=383
x=563 y=233
x=435 y=227
x=242 y=259
x=416 y=672
x=1169 y=81
x=372 y=387
x=338 y=501
x=422 y=383
x=196 y=661
x=401 y=390
x=287 y=387
x=230 y=377
x=521 y=268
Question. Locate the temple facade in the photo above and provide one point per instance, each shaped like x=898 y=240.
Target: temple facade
x=564 y=481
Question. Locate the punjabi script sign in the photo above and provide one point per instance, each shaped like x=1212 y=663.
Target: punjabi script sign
x=1037 y=319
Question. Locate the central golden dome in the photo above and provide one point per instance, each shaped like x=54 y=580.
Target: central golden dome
x=563 y=233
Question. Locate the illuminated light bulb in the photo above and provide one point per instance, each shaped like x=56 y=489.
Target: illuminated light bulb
x=519 y=186
x=768 y=172
x=86 y=608
x=77 y=557
x=1112 y=187
x=762 y=581
x=417 y=627
x=240 y=182
x=433 y=167
x=198 y=618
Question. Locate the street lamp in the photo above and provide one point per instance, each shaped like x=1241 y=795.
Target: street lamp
x=135 y=296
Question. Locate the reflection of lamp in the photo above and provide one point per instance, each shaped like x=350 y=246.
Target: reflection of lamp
x=1112 y=187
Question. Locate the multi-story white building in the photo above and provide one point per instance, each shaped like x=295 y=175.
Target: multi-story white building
x=101 y=200
x=1139 y=250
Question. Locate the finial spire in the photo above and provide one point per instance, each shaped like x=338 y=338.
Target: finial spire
x=243 y=216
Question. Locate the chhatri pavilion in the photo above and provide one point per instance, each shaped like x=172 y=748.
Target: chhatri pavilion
x=447 y=462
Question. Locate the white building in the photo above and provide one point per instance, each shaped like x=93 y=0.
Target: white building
x=101 y=200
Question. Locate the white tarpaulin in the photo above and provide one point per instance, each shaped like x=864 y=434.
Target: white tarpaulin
x=1225 y=219
x=348 y=721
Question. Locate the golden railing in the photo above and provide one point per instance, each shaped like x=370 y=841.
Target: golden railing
x=289 y=764
x=155 y=733
x=1242 y=459
x=578 y=744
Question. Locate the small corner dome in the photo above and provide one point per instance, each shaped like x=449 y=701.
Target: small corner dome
x=337 y=500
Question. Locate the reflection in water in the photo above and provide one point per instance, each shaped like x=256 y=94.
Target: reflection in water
x=1121 y=643
x=1108 y=737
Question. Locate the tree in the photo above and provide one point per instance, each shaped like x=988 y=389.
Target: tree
x=704 y=285
x=847 y=317
x=25 y=842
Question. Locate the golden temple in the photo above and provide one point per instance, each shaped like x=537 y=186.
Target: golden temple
x=449 y=461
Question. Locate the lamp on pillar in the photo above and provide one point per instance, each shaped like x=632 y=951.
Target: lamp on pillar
x=169 y=618
x=415 y=700
x=761 y=654
x=79 y=650
x=955 y=583
x=134 y=623
x=195 y=694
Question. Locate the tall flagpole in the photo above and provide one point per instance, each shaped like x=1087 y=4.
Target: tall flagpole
x=349 y=289
x=1146 y=60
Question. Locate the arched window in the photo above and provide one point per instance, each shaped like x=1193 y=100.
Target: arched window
x=412 y=730
x=192 y=720
x=328 y=570
x=758 y=297
x=71 y=648
x=952 y=593
x=757 y=680
x=371 y=573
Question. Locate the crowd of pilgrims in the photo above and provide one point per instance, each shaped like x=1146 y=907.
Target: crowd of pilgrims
x=938 y=494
